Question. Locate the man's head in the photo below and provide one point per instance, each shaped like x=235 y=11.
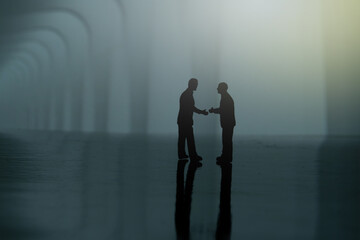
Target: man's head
x=193 y=83
x=222 y=87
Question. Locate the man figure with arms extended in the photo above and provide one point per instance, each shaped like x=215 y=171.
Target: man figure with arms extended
x=185 y=122
x=227 y=120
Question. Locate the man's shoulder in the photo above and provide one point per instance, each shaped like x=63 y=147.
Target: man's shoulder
x=186 y=93
x=228 y=97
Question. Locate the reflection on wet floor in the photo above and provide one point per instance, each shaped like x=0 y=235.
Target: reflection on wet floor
x=58 y=185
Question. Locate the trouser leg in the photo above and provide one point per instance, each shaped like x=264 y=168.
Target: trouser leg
x=227 y=135
x=191 y=141
x=181 y=141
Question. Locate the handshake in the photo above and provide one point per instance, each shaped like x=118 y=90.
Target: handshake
x=204 y=112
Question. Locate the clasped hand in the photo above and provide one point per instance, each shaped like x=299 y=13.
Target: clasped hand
x=211 y=110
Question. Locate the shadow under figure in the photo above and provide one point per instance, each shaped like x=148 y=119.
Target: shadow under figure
x=185 y=122
x=183 y=198
x=223 y=230
x=227 y=121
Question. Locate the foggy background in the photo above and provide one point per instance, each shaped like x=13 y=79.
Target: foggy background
x=120 y=65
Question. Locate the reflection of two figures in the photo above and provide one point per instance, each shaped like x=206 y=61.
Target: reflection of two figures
x=184 y=198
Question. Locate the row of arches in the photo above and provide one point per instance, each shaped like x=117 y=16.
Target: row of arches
x=54 y=43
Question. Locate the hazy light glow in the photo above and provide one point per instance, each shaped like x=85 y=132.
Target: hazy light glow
x=122 y=67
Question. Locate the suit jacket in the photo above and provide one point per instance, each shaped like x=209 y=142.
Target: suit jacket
x=226 y=111
x=187 y=108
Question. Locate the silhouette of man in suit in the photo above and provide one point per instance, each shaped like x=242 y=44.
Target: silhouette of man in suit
x=227 y=120
x=185 y=122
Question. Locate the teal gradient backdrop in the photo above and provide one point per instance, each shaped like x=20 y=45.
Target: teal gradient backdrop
x=120 y=66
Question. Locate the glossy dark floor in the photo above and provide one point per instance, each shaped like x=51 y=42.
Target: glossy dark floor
x=56 y=185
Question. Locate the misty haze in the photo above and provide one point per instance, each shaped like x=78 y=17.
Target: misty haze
x=89 y=100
